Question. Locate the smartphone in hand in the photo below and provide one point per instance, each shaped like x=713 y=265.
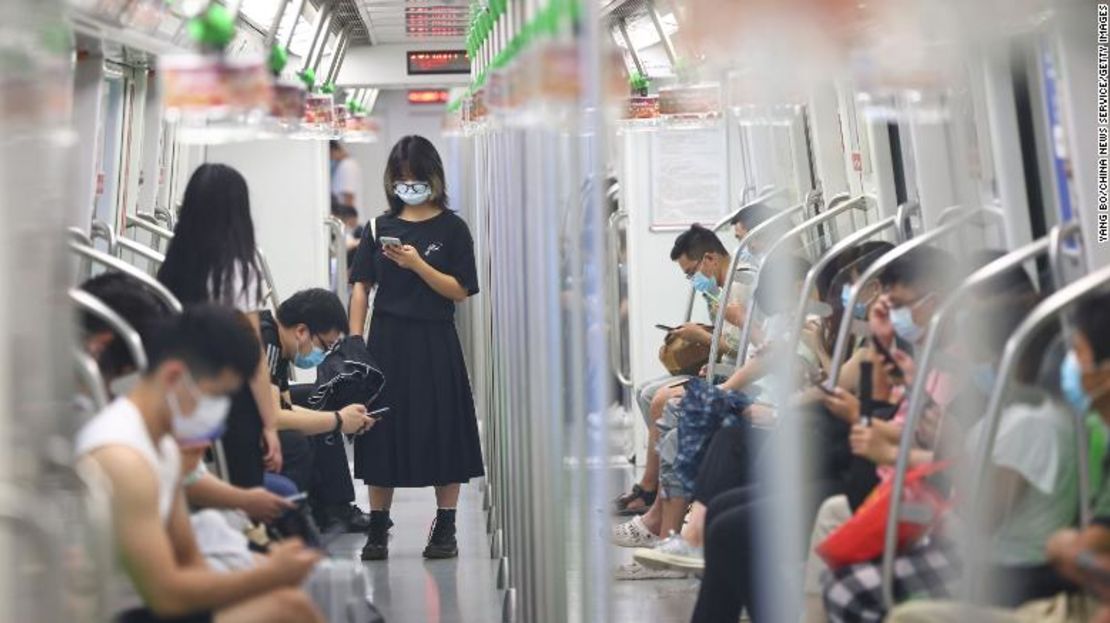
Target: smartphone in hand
x=885 y=352
x=664 y=327
x=389 y=241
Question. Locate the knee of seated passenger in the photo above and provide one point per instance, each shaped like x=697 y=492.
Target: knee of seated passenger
x=295 y=607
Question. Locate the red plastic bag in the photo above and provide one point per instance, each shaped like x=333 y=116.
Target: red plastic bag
x=861 y=538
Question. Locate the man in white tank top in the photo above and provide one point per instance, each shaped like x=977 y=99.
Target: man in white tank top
x=195 y=361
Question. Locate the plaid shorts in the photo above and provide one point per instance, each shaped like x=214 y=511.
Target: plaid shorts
x=854 y=593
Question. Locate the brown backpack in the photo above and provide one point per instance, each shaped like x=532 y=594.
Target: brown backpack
x=681 y=357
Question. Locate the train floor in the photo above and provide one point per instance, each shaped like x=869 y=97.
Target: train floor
x=409 y=589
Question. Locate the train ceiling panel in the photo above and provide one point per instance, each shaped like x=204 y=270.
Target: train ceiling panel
x=412 y=21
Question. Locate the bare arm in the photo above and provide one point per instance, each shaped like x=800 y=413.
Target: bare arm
x=163 y=561
x=445 y=285
x=358 y=307
x=752 y=370
x=309 y=422
x=267 y=409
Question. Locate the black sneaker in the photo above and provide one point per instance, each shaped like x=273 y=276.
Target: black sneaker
x=441 y=540
x=349 y=516
x=377 y=537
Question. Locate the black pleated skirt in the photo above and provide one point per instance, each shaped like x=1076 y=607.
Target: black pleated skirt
x=429 y=436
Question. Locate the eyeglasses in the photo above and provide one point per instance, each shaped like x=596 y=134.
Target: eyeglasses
x=694 y=269
x=412 y=187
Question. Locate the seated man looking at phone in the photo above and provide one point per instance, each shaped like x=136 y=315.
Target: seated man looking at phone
x=702 y=258
x=196 y=361
x=307 y=325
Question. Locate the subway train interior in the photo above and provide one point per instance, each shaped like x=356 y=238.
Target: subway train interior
x=545 y=311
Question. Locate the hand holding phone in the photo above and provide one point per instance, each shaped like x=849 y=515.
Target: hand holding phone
x=896 y=373
x=377 y=414
x=389 y=241
x=664 y=327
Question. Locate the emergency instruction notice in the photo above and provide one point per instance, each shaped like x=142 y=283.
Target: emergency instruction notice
x=1102 y=214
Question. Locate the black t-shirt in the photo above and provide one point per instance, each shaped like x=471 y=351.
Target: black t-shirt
x=443 y=241
x=279 y=365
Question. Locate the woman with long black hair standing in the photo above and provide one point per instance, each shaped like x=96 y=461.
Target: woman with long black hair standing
x=212 y=258
x=420 y=256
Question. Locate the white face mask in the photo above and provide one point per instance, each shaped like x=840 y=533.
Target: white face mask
x=205 y=423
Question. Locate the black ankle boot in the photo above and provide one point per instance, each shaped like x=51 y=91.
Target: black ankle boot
x=377 y=536
x=441 y=541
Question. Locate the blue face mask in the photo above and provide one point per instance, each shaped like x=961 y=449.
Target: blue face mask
x=982 y=377
x=904 y=326
x=860 y=310
x=749 y=258
x=309 y=361
x=704 y=284
x=1071 y=384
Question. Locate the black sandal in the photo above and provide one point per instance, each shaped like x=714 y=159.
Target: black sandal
x=622 y=503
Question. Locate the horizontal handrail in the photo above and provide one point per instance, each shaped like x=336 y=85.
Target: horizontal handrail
x=760 y=199
x=875 y=269
x=917 y=400
x=138 y=221
x=124 y=243
x=814 y=272
x=79 y=235
x=122 y=328
x=839 y=204
x=166 y=216
x=115 y=263
x=734 y=263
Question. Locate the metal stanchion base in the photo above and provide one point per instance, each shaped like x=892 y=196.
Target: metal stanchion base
x=508 y=607
x=487 y=499
x=503 y=574
x=491 y=520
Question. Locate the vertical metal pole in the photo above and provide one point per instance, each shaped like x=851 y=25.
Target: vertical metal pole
x=337 y=56
x=324 y=47
x=322 y=19
x=275 y=23
x=668 y=46
x=293 y=27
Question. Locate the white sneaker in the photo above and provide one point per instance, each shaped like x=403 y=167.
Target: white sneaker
x=633 y=533
x=636 y=571
x=672 y=553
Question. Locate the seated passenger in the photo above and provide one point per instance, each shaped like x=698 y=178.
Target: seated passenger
x=702 y=257
x=196 y=360
x=131 y=299
x=1033 y=475
x=307 y=325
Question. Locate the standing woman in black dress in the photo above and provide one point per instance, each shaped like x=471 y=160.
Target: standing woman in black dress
x=429 y=437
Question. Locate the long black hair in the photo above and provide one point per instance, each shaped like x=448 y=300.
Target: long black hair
x=213 y=240
x=416 y=158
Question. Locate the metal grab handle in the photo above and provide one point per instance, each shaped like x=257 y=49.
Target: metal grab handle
x=268 y=279
x=1041 y=315
x=903 y=216
x=165 y=216
x=124 y=243
x=80 y=236
x=877 y=267
x=917 y=401
x=815 y=271
x=115 y=263
x=103 y=231
x=147 y=222
x=838 y=204
x=616 y=360
x=718 y=322
x=339 y=249
x=90 y=376
x=1057 y=236
x=127 y=333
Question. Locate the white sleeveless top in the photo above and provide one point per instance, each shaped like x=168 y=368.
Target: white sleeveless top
x=121 y=424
